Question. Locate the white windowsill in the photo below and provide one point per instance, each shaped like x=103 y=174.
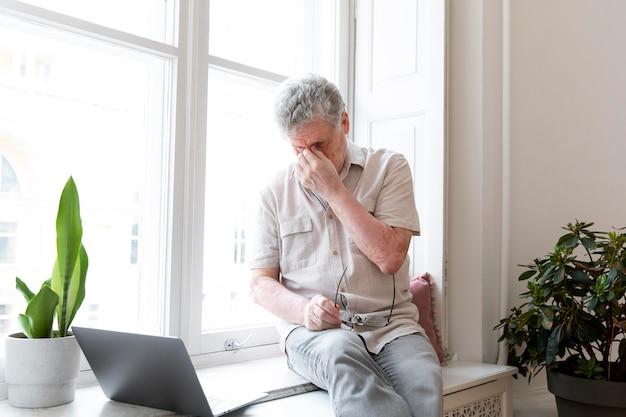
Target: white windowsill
x=270 y=375
x=267 y=375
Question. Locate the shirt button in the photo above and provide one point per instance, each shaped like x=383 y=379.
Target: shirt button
x=330 y=216
x=335 y=252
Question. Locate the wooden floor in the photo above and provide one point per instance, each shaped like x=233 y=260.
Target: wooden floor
x=534 y=404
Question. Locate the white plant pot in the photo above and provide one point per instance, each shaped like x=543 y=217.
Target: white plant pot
x=41 y=372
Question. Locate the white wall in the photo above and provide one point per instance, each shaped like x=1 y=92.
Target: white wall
x=536 y=138
x=568 y=120
x=474 y=192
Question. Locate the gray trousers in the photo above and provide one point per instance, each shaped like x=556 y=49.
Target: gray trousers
x=404 y=379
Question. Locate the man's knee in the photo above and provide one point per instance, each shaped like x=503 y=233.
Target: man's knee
x=341 y=347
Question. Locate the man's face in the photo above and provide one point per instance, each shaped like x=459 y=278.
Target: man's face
x=319 y=135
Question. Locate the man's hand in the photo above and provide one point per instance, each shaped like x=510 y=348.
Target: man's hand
x=317 y=173
x=318 y=313
x=321 y=314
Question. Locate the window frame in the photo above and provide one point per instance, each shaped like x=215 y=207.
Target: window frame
x=183 y=251
x=261 y=340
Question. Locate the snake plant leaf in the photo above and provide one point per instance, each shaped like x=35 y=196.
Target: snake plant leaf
x=74 y=292
x=66 y=282
x=64 y=292
x=24 y=290
x=39 y=316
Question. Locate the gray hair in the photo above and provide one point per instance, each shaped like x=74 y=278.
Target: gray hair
x=302 y=100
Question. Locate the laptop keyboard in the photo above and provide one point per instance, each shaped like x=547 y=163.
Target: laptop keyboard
x=221 y=404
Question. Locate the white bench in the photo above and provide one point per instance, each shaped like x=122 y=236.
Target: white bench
x=477 y=390
x=470 y=389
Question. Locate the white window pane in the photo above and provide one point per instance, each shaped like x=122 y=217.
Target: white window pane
x=147 y=18
x=8 y=243
x=75 y=110
x=282 y=36
x=286 y=37
x=243 y=149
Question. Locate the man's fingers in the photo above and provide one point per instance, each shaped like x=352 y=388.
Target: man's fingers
x=327 y=311
x=322 y=314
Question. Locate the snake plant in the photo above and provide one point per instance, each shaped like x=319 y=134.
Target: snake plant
x=62 y=294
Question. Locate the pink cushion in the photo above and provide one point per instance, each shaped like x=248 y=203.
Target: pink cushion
x=422 y=290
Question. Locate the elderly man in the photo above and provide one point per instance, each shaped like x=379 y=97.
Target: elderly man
x=330 y=261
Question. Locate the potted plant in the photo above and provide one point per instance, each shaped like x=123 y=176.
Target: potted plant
x=42 y=363
x=573 y=322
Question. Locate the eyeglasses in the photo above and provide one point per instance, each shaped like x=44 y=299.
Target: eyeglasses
x=351 y=319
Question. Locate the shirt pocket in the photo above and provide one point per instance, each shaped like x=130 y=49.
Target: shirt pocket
x=298 y=245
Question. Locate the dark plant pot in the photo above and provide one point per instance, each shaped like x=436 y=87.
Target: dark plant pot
x=582 y=397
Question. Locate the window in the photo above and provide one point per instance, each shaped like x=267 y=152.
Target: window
x=249 y=149
x=4 y=318
x=248 y=56
x=162 y=114
x=100 y=111
x=88 y=117
x=8 y=179
x=146 y=18
x=8 y=243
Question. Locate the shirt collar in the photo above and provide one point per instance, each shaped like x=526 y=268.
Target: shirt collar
x=354 y=156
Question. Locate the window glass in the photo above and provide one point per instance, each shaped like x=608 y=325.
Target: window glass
x=77 y=110
x=74 y=105
x=285 y=37
x=147 y=18
x=8 y=243
x=244 y=148
x=8 y=179
x=255 y=37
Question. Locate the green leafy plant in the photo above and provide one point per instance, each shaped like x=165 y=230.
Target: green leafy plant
x=62 y=294
x=574 y=314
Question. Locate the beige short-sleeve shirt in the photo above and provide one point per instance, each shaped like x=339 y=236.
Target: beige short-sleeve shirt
x=298 y=233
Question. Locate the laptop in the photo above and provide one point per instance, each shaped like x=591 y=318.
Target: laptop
x=152 y=371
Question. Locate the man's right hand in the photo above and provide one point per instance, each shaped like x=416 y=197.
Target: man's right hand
x=321 y=314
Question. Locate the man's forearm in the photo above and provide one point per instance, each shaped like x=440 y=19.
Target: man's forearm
x=278 y=300
x=384 y=245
